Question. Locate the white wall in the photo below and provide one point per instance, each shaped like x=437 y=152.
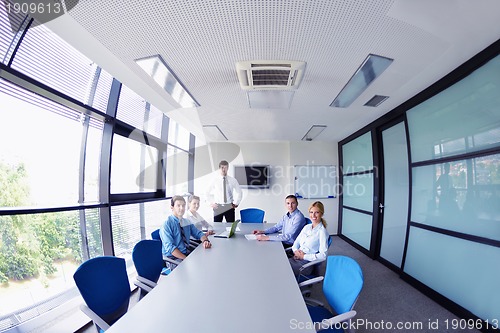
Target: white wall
x=281 y=157
x=318 y=153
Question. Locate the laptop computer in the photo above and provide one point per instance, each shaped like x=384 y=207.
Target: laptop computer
x=228 y=233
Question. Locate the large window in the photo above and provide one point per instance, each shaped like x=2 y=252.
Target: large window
x=55 y=211
x=134 y=166
x=33 y=127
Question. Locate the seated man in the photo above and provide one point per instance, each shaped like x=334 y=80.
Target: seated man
x=176 y=231
x=290 y=225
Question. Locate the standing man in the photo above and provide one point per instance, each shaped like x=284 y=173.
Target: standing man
x=289 y=225
x=224 y=194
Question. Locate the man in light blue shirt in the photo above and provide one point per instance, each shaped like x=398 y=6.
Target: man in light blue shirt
x=176 y=232
x=290 y=225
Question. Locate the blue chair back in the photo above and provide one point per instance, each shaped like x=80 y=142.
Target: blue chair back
x=343 y=283
x=308 y=221
x=148 y=259
x=156 y=234
x=252 y=215
x=104 y=286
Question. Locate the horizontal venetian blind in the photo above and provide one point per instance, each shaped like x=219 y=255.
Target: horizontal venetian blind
x=47 y=58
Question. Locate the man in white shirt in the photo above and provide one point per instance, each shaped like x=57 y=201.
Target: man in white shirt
x=224 y=194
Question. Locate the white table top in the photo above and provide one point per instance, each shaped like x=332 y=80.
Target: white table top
x=238 y=285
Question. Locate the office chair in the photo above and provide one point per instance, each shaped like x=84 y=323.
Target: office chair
x=104 y=286
x=170 y=263
x=193 y=243
x=342 y=284
x=252 y=215
x=148 y=262
x=156 y=235
x=315 y=263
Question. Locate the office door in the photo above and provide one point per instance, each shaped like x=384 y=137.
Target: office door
x=394 y=193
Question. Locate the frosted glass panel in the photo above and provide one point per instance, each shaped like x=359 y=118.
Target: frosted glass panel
x=462 y=118
x=357 y=227
x=465 y=272
x=461 y=196
x=358 y=191
x=396 y=191
x=357 y=155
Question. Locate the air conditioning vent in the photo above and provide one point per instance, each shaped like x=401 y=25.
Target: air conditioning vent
x=270 y=75
x=376 y=100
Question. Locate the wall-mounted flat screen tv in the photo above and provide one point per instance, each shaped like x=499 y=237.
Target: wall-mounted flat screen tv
x=252 y=176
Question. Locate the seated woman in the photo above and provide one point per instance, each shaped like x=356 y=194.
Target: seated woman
x=312 y=242
x=195 y=218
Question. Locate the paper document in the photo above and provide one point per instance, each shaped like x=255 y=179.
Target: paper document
x=251 y=237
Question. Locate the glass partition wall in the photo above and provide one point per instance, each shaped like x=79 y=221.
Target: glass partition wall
x=429 y=208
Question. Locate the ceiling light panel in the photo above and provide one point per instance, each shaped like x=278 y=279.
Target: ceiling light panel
x=369 y=70
x=157 y=68
x=313 y=132
x=214 y=133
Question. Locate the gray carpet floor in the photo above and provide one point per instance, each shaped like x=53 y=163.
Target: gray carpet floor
x=387 y=301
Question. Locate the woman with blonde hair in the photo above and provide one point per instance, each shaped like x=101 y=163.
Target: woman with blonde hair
x=312 y=242
x=195 y=217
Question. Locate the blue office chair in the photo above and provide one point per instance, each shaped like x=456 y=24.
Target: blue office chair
x=148 y=262
x=156 y=235
x=315 y=264
x=104 y=286
x=342 y=284
x=193 y=243
x=170 y=263
x=252 y=215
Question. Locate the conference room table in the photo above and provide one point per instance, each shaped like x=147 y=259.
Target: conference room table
x=238 y=285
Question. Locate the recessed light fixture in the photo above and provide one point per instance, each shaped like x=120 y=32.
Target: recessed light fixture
x=369 y=70
x=313 y=132
x=214 y=132
x=158 y=69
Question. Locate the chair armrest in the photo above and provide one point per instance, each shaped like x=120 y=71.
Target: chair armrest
x=173 y=261
x=95 y=318
x=313 y=302
x=311 y=263
x=146 y=281
x=143 y=286
x=311 y=281
x=328 y=323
